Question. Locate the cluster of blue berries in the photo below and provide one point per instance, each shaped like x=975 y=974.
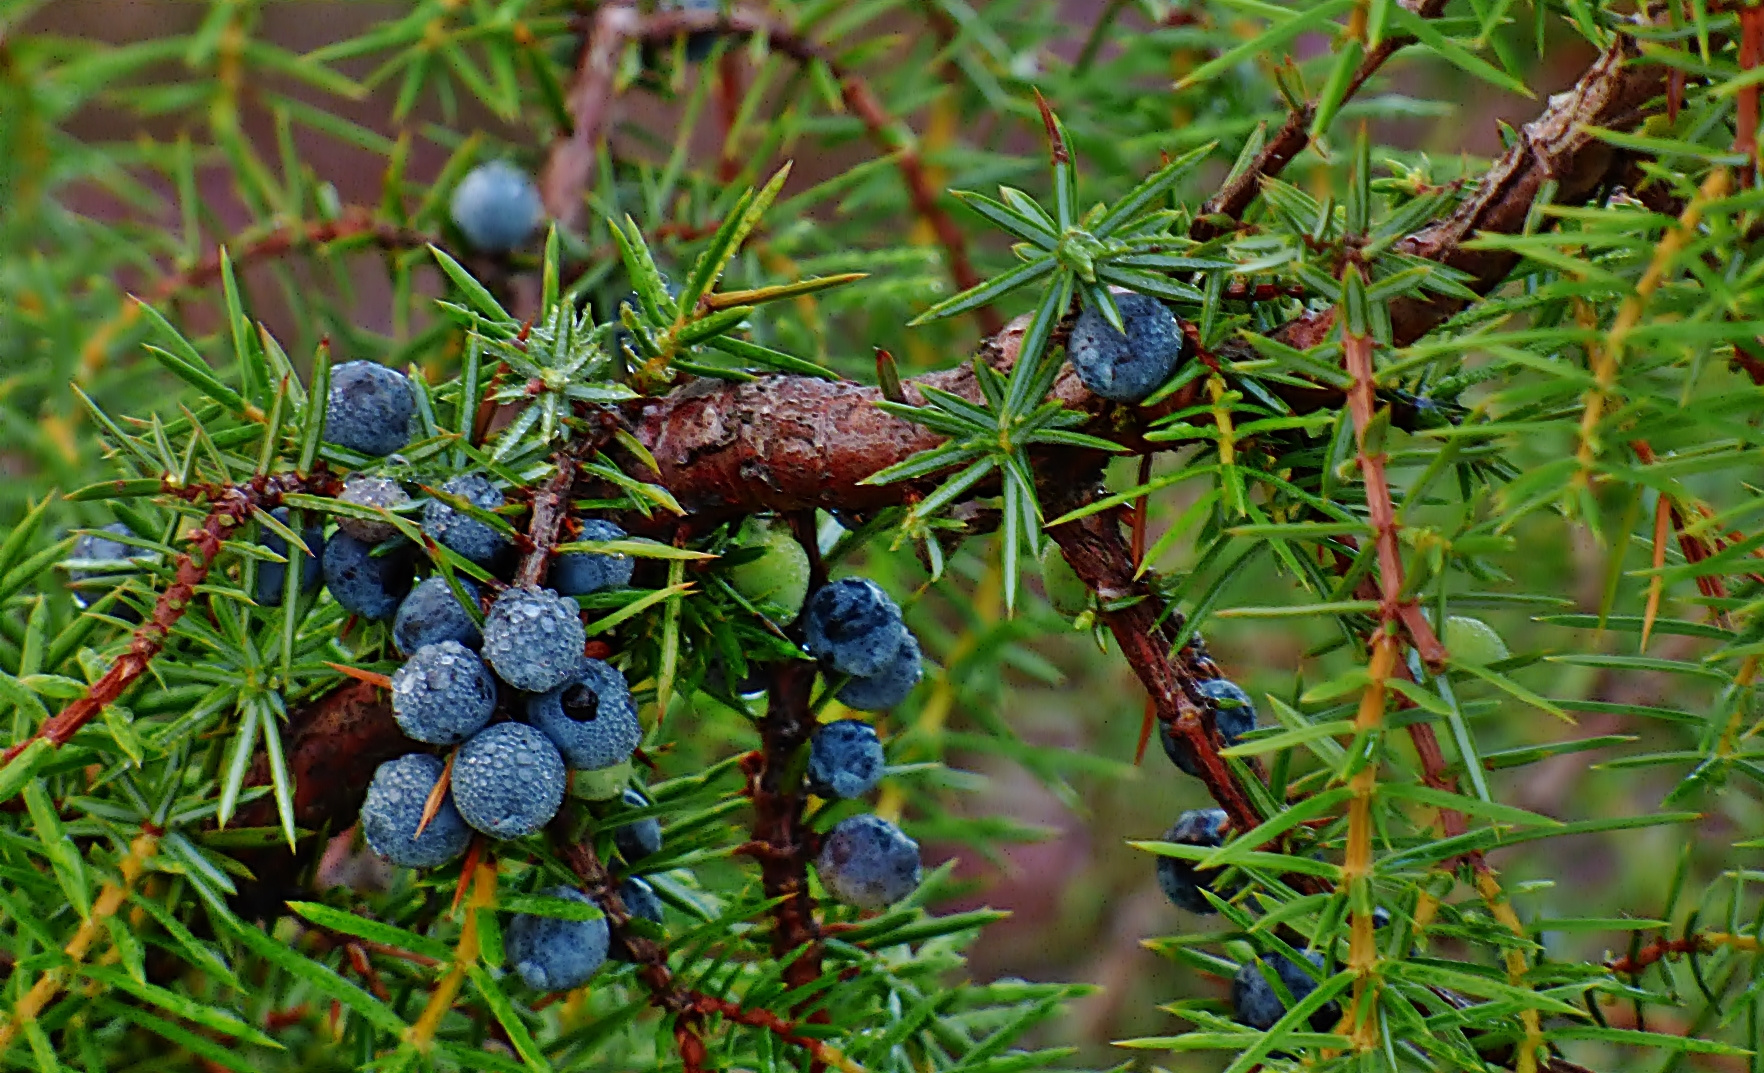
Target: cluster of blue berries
x=855 y=630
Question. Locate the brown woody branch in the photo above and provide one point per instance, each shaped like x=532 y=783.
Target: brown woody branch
x=570 y=167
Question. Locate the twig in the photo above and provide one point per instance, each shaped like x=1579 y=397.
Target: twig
x=551 y=504
x=819 y=1050
x=570 y=168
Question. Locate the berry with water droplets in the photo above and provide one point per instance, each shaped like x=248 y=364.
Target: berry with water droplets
x=591 y=717
x=578 y=573
x=394 y=809
x=868 y=862
x=853 y=626
x=508 y=781
x=553 y=954
x=443 y=694
x=476 y=540
x=533 y=639
x=371 y=492
x=845 y=759
x=888 y=686
x=369 y=408
x=432 y=613
x=1126 y=367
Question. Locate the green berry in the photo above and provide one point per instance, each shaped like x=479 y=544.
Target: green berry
x=776 y=581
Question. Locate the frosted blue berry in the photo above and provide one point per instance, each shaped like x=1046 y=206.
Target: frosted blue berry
x=868 y=862
x=640 y=839
x=641 y=902
x=369 y=408
x=366 y=584
x=845 y=759
x=476 y=540
x=1126 y=367
x=1255 y=1003
x=497 y=207
x=552 y=954
x=889 y=686
x=371 y=492
x=272 y=577
x=432 y=613
x=591 y=717
x=533 y=639
x=577 y=573
x=394 y=809
x=96 y=557
x=853 y=626
x=443 y=694
x=508 y=781
x=1181 y=882
x=1233 y=713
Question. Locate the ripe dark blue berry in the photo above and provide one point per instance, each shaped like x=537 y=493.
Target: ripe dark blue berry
x=1181 y=882
x=591 y=717
x=853 y=626
x=845 y=759
x=369 y=408
x=1126 y=367
x=640 y=900
x=496 y=207
x=95 y=557
x=508 y=781
x=552 y=954
x=868 y=862
x=366 y=584
x=476 y=540
x=577 y=573
x=371 y=492
x=394 y=809
x=1255 y=1002
x=1233 y=713
x=443 y=694
x=432 y=613
x=533 y=639
x=889 y=686
x=272 y=577
x=641 y=838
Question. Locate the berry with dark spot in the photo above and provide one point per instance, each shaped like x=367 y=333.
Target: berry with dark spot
x=371 y=492
x=578 y=573
x=272 y=577
x=443 y=694
x=640 y=838
x=845 y=759
x=853 y=626
x=889 y=686
x=1181 y=882
x=533 y=639
x=496 y=207
x=1233 y=713
x=868 y=862
x=552 y=954
x=394 y=809
x=369 y=408
x=366 y=584
x=432 y=613
x=1255 y=1002
x=1126 y=367
x=640 y=900
x=508 y=781
x=591 y=717
x=476 y=540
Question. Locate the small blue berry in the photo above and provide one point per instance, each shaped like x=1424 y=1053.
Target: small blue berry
x=94 y=557
x=889 y=686
x=497 y=207
x=578 y=573
x=868 y=862
x=432 y=613
x=1234 y=713
x=369 y=408
x=366 y=584
x=591 y=717
x=1181 y=882
x=371 y=492
x=443 y=694
x=533 y=639
x=640 y=839
x=641 y=902
x=508 y=781
x=272 y=577
x=394 y=809
x=1255 y=1003
x=845 y=759
x=1126 y=367
x=853 y=626
x=476 y=540
x=552 y=954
